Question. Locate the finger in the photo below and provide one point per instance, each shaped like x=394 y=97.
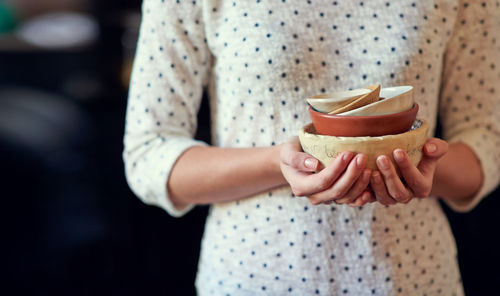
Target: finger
x=410 y=197
x=357 y=189
x=369 y=198
x=378 y=186
x=397 y=190
x=292 y=155
x=311 y=184
x=412 y=176
x=433 y=150
x=362 y=199
x=342 y=185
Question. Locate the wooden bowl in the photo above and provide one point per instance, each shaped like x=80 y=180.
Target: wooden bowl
x=327 y=148
x=362 y=126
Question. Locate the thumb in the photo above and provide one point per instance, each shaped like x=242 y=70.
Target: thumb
x=433 y=150
x=292 y=155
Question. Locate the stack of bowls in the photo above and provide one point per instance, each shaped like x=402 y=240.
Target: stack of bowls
x=372 y=120
x=387 y=111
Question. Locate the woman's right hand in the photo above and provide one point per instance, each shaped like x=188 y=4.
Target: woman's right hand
x=344 y=181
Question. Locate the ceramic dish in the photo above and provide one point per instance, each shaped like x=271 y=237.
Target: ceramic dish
x=327 y=148
x=332 y=101
x=392 y=100
x=358 y=126
x=369 y=98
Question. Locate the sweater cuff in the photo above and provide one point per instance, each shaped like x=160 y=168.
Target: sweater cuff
x=148 y=174
x=481 y=141
x=175 y=149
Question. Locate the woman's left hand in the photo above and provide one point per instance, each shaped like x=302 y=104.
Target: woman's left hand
x=388 y=187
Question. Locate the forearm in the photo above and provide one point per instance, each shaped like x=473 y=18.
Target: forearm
x=204 y=175
x=458 y=174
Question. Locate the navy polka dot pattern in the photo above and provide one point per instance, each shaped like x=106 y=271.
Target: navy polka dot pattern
x=259 y=60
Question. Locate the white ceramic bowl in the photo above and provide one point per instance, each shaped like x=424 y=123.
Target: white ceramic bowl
x=369 y=98
x=333 y=101
x=396 y=99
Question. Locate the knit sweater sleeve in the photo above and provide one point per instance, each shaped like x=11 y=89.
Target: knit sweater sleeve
x=469 y=108
x=170 y=70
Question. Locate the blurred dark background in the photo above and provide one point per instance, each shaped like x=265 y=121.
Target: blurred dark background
x=70 y=225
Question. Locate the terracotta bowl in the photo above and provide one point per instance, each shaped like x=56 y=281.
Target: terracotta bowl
x=362 y=126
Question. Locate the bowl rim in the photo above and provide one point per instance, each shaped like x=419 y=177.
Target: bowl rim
x=304 y=131
x=338 y=116
x=340 y=95
x=405 y=89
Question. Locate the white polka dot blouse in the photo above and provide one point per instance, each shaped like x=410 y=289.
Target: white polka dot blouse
x=258 y=60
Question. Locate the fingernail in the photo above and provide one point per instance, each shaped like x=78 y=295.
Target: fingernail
x=311 y=163
x=347 y=155
x=430 y=147
x=399 y=155
x=383 y=162
x=376 y=177
x=360 y=160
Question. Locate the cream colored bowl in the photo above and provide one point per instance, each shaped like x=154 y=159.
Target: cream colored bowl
x=396 y=99
x=333 y=101
x=327 y=148
x=369 y=98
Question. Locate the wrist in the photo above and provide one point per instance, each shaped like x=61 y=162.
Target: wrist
x=275 y=163
x=458 y=175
